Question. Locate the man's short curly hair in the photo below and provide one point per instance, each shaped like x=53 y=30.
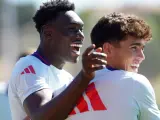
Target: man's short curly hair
x=115 y=27
x=49 y=11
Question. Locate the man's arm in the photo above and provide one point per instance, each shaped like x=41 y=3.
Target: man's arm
x=41 y=106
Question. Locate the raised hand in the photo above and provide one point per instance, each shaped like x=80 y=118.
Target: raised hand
x=93 y=60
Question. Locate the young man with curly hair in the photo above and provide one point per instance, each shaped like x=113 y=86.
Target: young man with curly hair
x=39 y=88
x=118 y=92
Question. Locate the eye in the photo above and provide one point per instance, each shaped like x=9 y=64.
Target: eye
x=134 y=48
x=142 y=48
x=81 y=29
x=72 y=29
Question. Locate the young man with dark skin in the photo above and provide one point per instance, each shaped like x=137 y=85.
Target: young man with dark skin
x=39 y=88
x=118 y=92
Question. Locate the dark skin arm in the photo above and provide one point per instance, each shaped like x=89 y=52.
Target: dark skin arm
x=41 y=106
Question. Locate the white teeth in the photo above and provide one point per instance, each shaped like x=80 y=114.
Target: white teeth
x=76 y=45
x=135 y=65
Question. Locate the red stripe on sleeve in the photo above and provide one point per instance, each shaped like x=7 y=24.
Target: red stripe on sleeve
x=22 y=73
x=94 y=98
x=31 y=69
x=82 y=105
x=26 y=70
x=73 y=112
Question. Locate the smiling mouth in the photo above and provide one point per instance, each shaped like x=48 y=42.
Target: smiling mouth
x=135 y=66
x=76 y=48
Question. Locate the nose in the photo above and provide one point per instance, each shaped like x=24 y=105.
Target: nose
x=141 y=55
x=80 y=35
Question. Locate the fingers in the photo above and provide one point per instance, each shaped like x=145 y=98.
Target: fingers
x=88 y=50
x=98 y=67
x=99 y=49
x=98 y=55
x=93 y=60
x=98 y=62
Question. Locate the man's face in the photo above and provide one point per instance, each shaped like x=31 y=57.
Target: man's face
x=67 y=37
x=129 y=55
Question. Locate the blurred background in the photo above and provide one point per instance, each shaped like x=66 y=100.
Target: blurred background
x=18 y=34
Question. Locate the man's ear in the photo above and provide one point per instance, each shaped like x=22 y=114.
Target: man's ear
x=107 y=48
x=47 y=32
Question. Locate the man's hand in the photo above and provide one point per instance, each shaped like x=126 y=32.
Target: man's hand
x=92 y=61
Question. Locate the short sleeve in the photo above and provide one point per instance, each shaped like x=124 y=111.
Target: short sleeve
x=30 y=83
x=145 y=96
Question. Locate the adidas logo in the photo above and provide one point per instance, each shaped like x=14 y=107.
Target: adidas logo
x=29 y=69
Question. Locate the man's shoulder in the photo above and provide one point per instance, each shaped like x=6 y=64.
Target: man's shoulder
x=137 y=79
x=120 y=74
x=28 y=60
x=29 y=64
x=135 y=76
x=141 y=84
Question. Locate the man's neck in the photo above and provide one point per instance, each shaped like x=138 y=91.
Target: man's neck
x=111 y=68
x=54 y=60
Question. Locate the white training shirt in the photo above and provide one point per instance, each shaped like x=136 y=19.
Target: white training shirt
x=31 y=74
x=117 y=95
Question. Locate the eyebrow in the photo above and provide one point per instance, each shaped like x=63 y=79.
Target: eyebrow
x=137 y=44
x=77 y=23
